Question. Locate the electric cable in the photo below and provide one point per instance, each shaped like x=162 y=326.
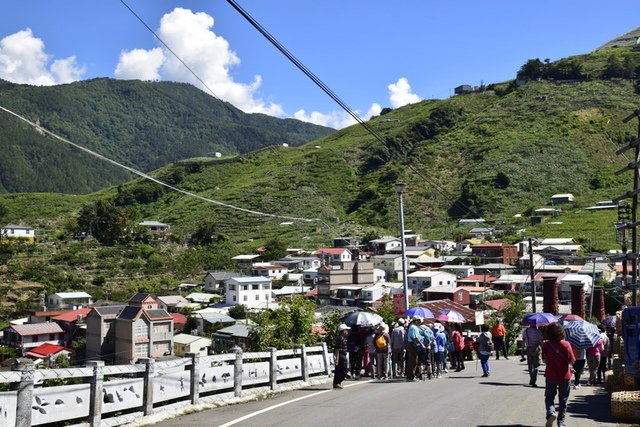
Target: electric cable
x=150 y=178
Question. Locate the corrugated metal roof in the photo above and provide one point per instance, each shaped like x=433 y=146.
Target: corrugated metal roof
x=73 y=295
x=188 y=339
x=37 y=328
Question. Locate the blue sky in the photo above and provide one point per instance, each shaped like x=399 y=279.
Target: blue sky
x=372 y=53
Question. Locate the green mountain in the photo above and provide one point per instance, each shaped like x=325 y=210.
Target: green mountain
x=141 y=124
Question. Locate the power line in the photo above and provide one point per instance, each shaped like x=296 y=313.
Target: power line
x=391 y=144
x=150 y=178
x=178 y=58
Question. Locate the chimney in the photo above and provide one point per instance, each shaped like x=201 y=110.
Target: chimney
x=598 y=303
x=550 y=295
x=577 y=299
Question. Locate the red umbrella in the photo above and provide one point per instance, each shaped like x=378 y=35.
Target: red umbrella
x=571 y=317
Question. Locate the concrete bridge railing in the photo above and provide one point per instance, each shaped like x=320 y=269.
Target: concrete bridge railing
x=100 y=395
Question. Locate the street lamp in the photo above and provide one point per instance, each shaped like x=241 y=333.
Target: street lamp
x=400 y=189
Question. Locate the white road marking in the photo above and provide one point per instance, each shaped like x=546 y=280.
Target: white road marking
x=262 y=411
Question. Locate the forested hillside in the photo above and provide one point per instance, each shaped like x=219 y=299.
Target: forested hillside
x=144 y=125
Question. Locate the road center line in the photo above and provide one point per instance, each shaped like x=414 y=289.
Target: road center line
x=262 y=411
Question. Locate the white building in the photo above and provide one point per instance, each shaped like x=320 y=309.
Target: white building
x=248 y=291
x=574 y=279
x=18 y=232
x=421 y=280
x=186 y=343
x=274 y=272
x=155 y=227
x=461 y=271
x=69 y=300
x=391 y=264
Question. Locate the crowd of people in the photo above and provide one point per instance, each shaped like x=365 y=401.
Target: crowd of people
x=410 y=349
x=414 y=350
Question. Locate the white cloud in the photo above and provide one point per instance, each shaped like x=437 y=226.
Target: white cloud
x=400 y=93
x=190 y=36
x=23 y=59
x=374 y=110
x=335 y=119
x=140 y=64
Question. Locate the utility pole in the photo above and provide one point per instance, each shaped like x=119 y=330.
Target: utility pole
x=635 y=166
x=400 y=189
x=533 y=281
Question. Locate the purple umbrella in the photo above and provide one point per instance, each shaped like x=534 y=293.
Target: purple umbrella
x=539 y=319
x=609 y=322
x=423 y=312
x=451 y=316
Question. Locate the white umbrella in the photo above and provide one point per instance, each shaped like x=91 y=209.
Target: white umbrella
x=363 y=318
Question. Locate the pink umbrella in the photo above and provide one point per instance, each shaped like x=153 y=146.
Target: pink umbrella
x=451 y=316
x=571 y=317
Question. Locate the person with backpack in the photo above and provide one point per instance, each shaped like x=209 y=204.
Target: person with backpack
x=484 y=347
x=413 y=343
x=440 y=365
x=558 y=357
x=381 y=342
x=398 y=346
x=604 y=355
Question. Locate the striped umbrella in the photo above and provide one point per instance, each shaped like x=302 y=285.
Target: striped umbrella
x=581 y=334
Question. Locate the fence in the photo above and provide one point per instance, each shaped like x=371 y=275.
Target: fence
x=108 y=395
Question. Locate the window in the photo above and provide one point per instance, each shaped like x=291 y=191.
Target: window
x=255 y=287
x=232 y=287
x=245 y=287
x=234 y=298
x=245 y=298
x=257 y=297
x=141 y=350
x=141 y=329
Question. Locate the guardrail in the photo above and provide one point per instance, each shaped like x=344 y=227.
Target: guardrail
x=102 y=394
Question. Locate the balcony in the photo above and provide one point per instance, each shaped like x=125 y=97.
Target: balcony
x=161 y=336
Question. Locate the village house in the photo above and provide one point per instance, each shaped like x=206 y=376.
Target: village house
x=391 y=264
x=442 y=246
x=347 y=242
x=273 y=272
x=126 y=333
x=69 y=300
x=496 y=253
x=511 y=282
x=558 y=199
x=73 y=323
x=235 y=335
x=477 y=280
x=187 y=343
x=287 y=292
x=453 y=293
x=208 y=318
x=565 y=283
x=333 y=255
x=245 y=261
x=299 y=263
x=341 y=284
x=461 y=271
x=384 y=244
x=48 y=354
x=17 y=232
x=421 y=280
x=248 y=291
x=214 y=280
x=155 y=227
x=176 y=303
x=30 y=335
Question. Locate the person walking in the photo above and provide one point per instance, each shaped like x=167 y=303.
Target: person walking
x=484 y=345
x=439 y=350
x=398 y=346
x=532 y=340
x=340 y=356
x=558 y=356
x=499 y=335
x=593 y=360
x=381 y=342
x=355 y=346
x=370 y=353
x=604 y=355
x=413 y=342
x=458 y=347
x=580 y=356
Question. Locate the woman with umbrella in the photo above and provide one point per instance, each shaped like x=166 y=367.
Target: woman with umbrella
x=557 y=355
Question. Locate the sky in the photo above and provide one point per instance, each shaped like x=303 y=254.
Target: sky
x=373 y=54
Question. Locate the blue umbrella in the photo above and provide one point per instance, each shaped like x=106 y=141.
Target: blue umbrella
x=425 y=313
x=609 y=322
x=539 y=319
x=582 y=334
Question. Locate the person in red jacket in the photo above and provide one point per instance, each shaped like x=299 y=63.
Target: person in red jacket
x=558 y=357
x=458 y=347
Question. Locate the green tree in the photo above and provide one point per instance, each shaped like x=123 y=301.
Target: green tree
x=533 y=69
x=276 y=249
x=106 y=222
x=511 y=317
x=238 y=311
x=287 y=326
x=614 y=67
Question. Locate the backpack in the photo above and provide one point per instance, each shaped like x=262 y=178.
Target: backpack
x=380 y=342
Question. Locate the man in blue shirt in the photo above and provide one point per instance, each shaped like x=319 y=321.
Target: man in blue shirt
x=414 y=340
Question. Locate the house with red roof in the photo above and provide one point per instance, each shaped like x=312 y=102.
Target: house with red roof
x=49 y=353
x=31 y=335
x=73 y=324
x=334 y=255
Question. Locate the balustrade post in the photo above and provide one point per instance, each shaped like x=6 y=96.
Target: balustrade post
x=149 y=373
x=96 y=383
x=237 y=372
x=325 y=357
x=304 y=367
x=194 y=391
x=25 y=391
x=273 y=368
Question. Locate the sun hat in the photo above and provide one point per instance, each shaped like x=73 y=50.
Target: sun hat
x=417 y=318
x=401 y=321
x=343 y=327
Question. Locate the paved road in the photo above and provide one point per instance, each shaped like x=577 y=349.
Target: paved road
x=458 y=399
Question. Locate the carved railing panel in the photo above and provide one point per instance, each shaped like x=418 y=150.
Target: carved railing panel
x=124 y=394
x=8 y=404
x=315 y=363
x=216 y=377
x=255 y=373
x=171 y=385
x=60 y=403
x=288 y=368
